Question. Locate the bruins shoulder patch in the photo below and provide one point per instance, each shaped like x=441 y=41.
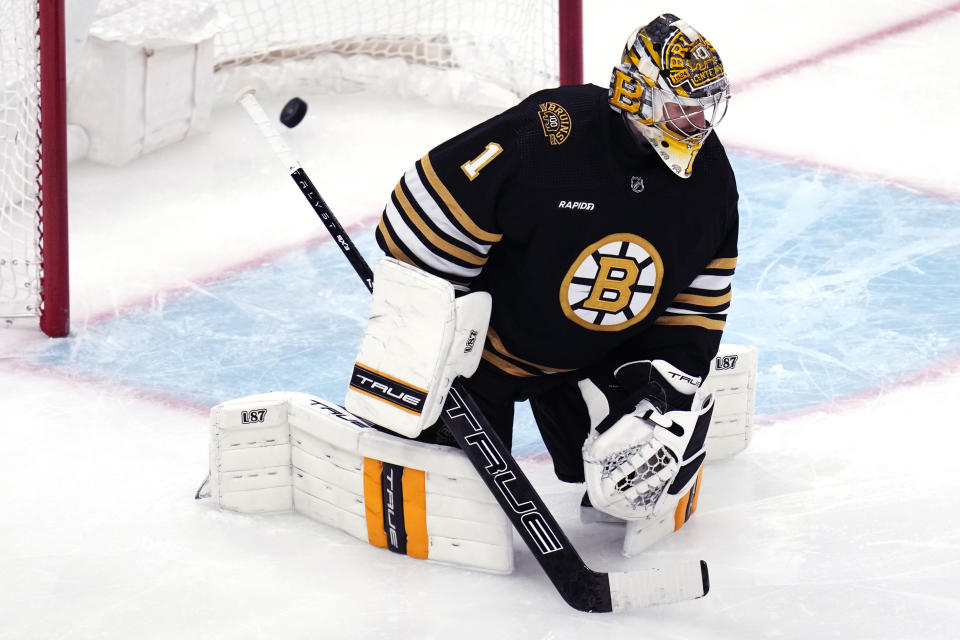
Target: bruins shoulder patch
x=556 y=122
x=613 y=283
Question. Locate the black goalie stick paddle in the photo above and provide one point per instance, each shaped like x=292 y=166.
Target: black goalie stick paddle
x=581 y=587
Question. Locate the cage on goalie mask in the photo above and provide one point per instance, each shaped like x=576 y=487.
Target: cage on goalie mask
x=671 y=87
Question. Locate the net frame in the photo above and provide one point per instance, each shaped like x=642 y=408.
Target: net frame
x=34 y=276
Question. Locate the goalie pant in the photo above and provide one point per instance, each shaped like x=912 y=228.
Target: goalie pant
x=292 y=451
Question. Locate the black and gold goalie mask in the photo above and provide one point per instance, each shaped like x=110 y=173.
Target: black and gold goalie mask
x=671 y=87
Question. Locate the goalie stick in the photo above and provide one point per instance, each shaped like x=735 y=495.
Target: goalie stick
x=581 y=587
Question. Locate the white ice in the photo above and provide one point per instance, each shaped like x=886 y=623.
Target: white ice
x=841 y=521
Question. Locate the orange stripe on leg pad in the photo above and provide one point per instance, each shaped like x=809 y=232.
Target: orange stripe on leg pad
x=373 y=502
x=688 y=503
x=414 y=508
x=415 y=512
x=680 y=515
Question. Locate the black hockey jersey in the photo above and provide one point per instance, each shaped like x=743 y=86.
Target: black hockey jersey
x=595 y=254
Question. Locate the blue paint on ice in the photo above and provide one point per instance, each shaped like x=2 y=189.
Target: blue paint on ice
x=842 y=285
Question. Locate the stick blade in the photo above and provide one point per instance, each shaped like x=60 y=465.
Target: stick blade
x=674 y=583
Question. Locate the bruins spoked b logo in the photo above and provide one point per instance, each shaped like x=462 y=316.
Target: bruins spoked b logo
x=613 y=283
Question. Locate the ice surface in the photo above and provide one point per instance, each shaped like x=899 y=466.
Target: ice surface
x=831 y=288
x=200 y=274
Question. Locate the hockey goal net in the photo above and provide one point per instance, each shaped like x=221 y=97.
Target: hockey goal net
x=443 y=50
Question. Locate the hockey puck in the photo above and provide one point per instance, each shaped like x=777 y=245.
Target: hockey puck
x=293 y=112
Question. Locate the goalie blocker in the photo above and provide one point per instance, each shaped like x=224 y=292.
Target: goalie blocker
x=418 y=339
x=292 y=451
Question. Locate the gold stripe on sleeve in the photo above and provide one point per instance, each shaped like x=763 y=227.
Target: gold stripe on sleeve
x=434 y=239
x=695 y=321
x=453 y=205
x=705 y=301
x=723 y=263
x=392 y=247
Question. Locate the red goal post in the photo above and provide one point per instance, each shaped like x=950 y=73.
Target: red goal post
x=570 y=41
x=34 y=273
x=517 y=46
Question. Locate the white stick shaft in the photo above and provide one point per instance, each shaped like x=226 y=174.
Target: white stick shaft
x=248 y=100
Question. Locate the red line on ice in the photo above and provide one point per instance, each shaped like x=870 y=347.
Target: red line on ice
x=847 y=47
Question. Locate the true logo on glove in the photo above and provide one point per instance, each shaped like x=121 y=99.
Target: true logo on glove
x=682 y=377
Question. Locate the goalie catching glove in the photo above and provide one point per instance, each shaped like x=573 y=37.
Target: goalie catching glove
x=644 y=467
x=419 y=338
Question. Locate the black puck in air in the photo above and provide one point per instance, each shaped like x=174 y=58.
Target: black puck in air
x=293 y=112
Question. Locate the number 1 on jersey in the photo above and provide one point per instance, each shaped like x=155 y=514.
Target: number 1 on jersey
x=472 y=167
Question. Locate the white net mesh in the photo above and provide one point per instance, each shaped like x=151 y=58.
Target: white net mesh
x=328 y=45
x=513 y=44
x=444 y=50
x=20 y=189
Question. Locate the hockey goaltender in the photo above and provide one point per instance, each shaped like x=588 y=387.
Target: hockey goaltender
x=590 y=236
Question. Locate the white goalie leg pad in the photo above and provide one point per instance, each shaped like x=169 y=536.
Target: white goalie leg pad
x=418 y=339
x=250 y=454
x=733 y=382
x=282 y=451
x=422 y=500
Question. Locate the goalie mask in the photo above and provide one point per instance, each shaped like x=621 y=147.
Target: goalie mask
x=671 y=88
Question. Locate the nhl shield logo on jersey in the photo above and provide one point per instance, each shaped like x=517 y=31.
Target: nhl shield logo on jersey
x=556 y=122
x=613 y=284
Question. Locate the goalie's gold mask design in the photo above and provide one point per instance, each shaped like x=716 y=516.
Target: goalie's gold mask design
x=671 y=87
